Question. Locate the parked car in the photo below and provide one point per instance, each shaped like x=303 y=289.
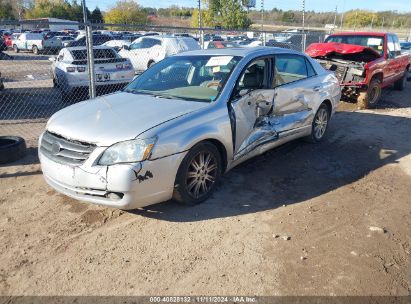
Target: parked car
x=98 y=39
x=70 y=69
x=148 y=50
x=174 y=130
x=3 y=45
x=117 y=44
x=10 y=38
x=35 y=43
x=364 y=62
x=220 y=44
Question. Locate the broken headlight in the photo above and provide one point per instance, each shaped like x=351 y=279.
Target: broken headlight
x=130 y=151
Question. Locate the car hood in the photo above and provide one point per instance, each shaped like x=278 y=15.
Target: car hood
x=327 y=49
x=117 y=117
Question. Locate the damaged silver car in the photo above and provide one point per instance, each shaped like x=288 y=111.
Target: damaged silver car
x=174 y=130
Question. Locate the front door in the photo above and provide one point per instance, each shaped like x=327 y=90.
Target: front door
x=296 y=89
x=250 y=107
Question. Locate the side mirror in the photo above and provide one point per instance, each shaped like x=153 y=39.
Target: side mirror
x=126 y=47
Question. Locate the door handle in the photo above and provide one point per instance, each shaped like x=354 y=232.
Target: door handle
x=317 y=88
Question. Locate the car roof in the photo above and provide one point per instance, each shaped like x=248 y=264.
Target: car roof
x=242 y=52
x=79 y=48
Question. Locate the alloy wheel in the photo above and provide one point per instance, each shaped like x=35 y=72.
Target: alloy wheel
x=201 y=174
x=320 y=123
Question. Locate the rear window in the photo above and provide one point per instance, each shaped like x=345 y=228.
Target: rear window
x=98 y=54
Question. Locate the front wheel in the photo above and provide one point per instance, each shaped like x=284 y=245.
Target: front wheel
x=320 y=124
x=15 y=48
x=371 y=97
x=198 y=174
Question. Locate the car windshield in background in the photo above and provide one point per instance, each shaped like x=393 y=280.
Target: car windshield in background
x=98 y=54
x=375 y=42
x=196 y=78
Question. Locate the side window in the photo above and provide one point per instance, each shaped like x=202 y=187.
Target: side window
x=397 y=46
x=253 y=77
x=289 y=68
x=149 y=43
x=310 y=70
x=391 y=47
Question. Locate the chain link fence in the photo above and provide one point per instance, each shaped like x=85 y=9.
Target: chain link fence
x=48 y=66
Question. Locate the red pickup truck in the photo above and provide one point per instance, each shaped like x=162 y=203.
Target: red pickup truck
x=364 y=62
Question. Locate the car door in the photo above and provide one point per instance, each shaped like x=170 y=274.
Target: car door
x=138 y=53
x=297 y=90
x=391 y=66
x=249 y=107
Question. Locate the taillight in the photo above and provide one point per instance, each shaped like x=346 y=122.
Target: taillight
x=70 y=69
x=81 y=69
x=119 y=66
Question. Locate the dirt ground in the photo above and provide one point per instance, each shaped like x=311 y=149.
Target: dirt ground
x=326 y=219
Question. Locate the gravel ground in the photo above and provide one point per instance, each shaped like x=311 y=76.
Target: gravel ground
x=303 y=219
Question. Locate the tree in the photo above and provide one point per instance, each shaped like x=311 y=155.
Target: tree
x=6 y=11
x=126 y=11
x=228 y=14
x=96 y=16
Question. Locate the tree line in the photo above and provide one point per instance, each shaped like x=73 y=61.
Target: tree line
x=215 y=13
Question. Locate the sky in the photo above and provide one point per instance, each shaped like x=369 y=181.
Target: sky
x=316 y=5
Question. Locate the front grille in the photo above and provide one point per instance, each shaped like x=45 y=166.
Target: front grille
x=65 y=151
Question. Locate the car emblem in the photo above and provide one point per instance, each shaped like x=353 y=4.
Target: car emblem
x=55 y=148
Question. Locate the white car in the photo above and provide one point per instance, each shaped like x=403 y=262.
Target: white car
x=70 y=69
x=148 y=50
x=117 y=44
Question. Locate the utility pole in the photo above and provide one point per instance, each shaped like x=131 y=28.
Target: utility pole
x=304 y=37
x=200 y=24
x=335 y=17
x=355 y=23
x=342 y=20
x=262 y=21
x=383 y=21
x=372 y=21
x=90 y=53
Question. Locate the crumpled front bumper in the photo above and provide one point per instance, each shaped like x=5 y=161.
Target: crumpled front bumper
x=123 y=186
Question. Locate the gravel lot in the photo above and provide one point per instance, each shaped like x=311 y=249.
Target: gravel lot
x=327 y=219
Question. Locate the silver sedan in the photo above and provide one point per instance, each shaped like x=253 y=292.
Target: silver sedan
x=177 y=128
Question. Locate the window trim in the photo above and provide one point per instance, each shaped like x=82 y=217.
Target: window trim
x=269 y=76
x=306 y=62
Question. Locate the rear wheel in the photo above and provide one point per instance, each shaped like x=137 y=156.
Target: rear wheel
x=320 y=124
x=400 y=83
x=15 y=48
x=372 y=96
x=198 y=174
x=35 y=50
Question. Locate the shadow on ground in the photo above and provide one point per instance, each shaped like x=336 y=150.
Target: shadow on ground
x=357 y=144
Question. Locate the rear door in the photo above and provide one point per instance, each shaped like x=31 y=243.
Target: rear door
x=297 y=89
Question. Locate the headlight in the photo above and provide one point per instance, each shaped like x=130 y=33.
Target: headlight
x=130 y=151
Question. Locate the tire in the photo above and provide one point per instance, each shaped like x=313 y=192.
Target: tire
x=35 y=50
x=399 y=85
x=15 y=48
x=12 y=148
x=320 y=124
x=371 y=97
x=192 y=186
x=150 y=64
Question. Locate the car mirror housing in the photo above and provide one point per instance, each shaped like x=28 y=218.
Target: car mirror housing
x=126 y=47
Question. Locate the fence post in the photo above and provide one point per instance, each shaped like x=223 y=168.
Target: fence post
x=304 y=42
x=90 y=61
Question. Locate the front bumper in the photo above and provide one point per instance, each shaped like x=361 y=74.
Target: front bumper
x=123 y=186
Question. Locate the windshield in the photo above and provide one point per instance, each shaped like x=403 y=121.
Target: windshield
x=195 y=78
x=375 y=42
